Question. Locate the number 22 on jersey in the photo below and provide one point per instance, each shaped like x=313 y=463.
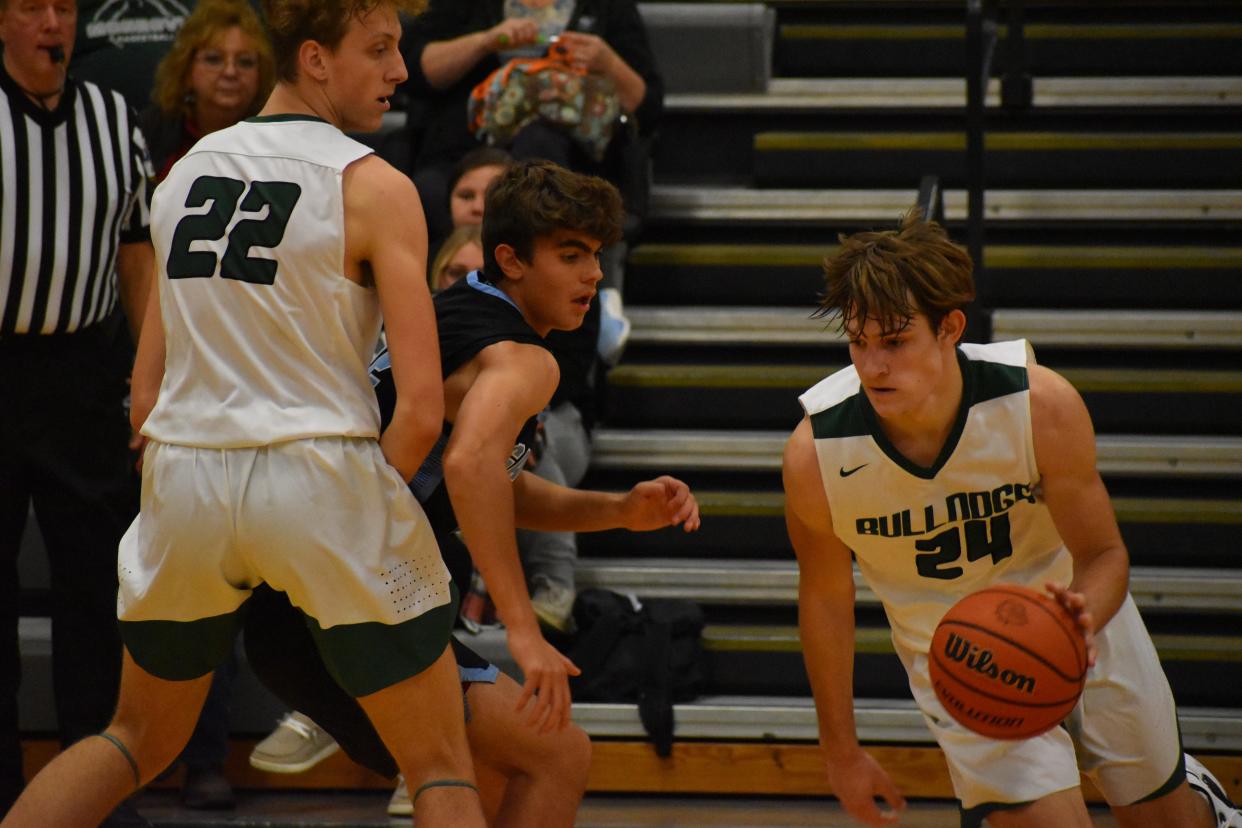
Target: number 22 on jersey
x=263 y=230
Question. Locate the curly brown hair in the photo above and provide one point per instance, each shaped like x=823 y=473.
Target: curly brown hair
x=893 y=275
x=532 y=199
x=290 y=23
x=210 y=18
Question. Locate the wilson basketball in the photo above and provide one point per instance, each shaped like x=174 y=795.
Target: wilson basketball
x=1008 y=662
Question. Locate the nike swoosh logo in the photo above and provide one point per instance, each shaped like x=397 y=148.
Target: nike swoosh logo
x=845 y=473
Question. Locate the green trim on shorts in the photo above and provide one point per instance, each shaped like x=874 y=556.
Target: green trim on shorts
x=368 y=657
x=974 y=817
x=181 y=650
x=1176 y=778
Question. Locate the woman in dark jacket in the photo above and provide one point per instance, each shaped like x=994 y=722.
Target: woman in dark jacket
x=458 y=43
x=218 y=71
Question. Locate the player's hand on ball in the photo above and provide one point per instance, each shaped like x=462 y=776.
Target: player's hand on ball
x=1075 y=603
x=654 y=504
x=857 y=780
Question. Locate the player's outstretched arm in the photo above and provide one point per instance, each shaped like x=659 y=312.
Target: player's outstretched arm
x=513 y=383
x=652 y=504
x=1078 y=502
x=386 y=239
x=826 y=627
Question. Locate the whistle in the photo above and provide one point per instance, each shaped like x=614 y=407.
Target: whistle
x=56 y=53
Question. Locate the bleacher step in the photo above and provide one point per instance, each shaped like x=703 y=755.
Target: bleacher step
x=1052 y=158
x=762 y=582
x=835 y=94
x=793 y=718
x=763 y=395
x=1121 y=455
x=742 y=326
x=699 y=204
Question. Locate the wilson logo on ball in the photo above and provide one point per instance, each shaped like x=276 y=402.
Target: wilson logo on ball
x=983 y=662
x=1007 y=662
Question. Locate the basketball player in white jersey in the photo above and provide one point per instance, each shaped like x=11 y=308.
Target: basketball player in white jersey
x=278 y=242
x=945 y=468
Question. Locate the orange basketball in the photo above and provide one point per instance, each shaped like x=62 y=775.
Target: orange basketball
x=1008 y=662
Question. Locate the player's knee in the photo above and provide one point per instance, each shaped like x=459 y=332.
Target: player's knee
x=435 y=757
x=572 y=757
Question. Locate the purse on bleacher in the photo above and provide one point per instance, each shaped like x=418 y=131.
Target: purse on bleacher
x=649 y=652
x=551 y=88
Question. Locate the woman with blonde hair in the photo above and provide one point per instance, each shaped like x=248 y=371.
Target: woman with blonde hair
x=219 y=70
x=461 y=253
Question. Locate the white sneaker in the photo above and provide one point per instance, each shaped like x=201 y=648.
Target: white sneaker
x=554 y=605
x=1204 y=783
x=614 y=326
x=400 y=804
x=296 y=745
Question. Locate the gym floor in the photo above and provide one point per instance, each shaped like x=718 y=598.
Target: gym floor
x=366 y=809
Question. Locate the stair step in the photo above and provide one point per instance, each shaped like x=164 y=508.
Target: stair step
x=1067 y=275
x=762 y=582
x=1082 y=32
x=835 y=94
x=1011 y=159
x=997 y=141
x=760 y=451
x=785 y=638
x=877 y=720
x=1128 y=509
x=801 y=377
x=1180 y=330
x=1120 y=329
x=1159 y=530
x=701 y=204
x=840 y=48
x=764 y=396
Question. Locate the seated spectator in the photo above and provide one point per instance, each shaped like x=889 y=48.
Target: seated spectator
x=468 y=186
x=458 y=43
x=461 y=253
x=218 y=71
x=466 y=189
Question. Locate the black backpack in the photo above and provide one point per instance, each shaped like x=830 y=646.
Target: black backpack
x=651 y=654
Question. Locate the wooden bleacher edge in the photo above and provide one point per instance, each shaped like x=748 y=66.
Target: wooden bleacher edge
x=750 y=768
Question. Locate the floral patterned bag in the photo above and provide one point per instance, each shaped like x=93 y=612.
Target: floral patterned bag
x=524 y=89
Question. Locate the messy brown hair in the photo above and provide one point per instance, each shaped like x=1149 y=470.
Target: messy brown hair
x=290 y=23
x=891 y=276
x=210 y=18
x=532 y=199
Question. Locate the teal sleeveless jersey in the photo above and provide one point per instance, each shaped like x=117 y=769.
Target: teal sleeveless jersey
x=925 y=537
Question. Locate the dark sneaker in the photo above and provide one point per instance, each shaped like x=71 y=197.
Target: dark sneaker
x=206 y=789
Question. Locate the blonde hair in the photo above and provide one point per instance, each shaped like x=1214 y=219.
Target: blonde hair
x=893 y=275
x=210 y=18
x=459 y=238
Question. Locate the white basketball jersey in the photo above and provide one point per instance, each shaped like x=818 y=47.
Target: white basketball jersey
x=266 y=339
x=925 y=537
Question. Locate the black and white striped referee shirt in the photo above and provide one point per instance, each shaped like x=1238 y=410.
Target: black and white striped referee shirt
x=74 y=184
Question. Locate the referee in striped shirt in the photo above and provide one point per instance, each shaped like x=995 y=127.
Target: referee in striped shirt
x=74 y=251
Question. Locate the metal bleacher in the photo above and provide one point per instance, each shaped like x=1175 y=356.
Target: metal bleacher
x=1112 y=209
